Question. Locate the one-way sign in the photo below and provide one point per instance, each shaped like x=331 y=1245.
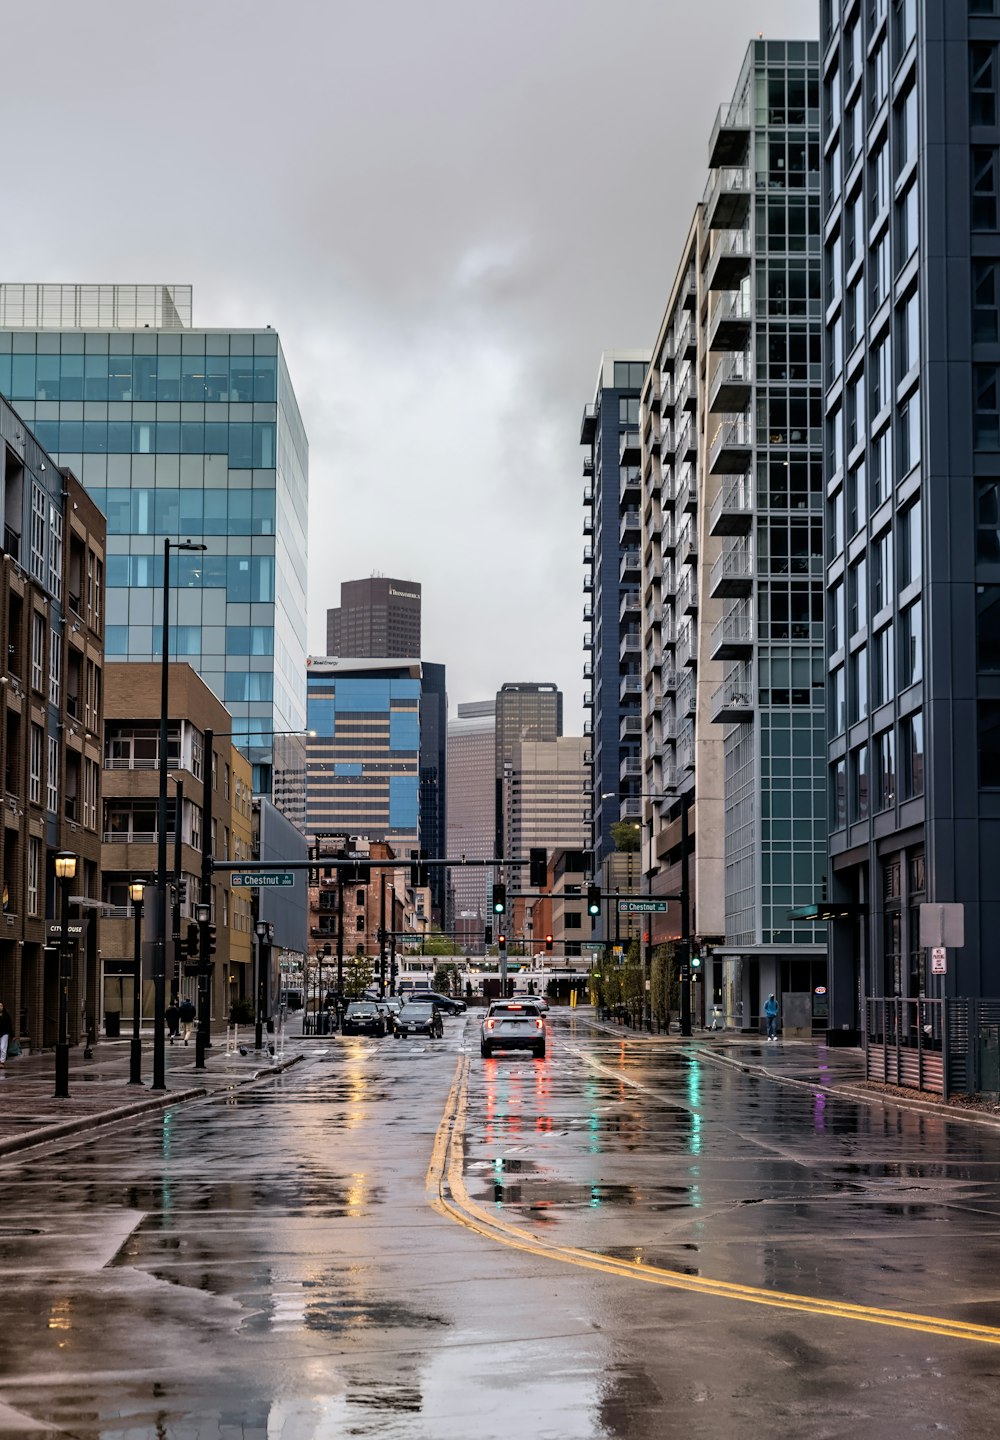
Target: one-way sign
x=642 y=907
x=262 y=879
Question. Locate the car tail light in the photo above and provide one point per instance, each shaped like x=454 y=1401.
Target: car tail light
x=490 y=1024
x=538 y=1022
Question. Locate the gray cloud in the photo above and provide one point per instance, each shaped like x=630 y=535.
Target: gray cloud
x=447 y=208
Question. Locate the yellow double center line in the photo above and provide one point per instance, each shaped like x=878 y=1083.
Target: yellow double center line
x=449 y=1196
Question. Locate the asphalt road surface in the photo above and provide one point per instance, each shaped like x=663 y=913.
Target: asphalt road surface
x=401 y=1239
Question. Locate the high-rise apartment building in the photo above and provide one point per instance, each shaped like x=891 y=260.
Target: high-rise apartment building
x=733 y=548
x=375 y=617
x=546 y=805
x=911 y=205
x=179 y=433
x=471 y=818
x=611 y=584
x=525 y=710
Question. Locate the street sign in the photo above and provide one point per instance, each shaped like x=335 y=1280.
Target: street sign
x=939 y=960
x=261 y=879
x=642 y=907
x=942 y=925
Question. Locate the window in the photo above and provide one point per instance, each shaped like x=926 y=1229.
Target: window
x=572 y=920
x=835 y=525
x=359 y=898
x=837 y=617
x=838 y=715
x=859 y=685
x=628 y=410
x=989 y=743
x=857 y=596
x=911 y=742
x=854 y=234
x=52 y=777
x=34 y=868
x=854 y=130
x=982 y=84
x=906 y=129
x=881 y=375
x=986 y=411
x=907 y=224
x=878 y=78
x=912 y=658
x=885 y=775
x=859 y=783
x=35 y=765
x=55 y=551
x=55 y=666
x=881 y=270
x=985 y=300
x=909 y=433
x=854 y=313
x=838 y=794
x=882 y=570
x=908 y=332
x=904 y=25
x=911 y=561
x=38 y=518
x=855 y=411
x=882 y=466
x=878 y=182
x=857 y=499
x=359 y=922
x=38 y=628
x=883 y=654
x=984 y=187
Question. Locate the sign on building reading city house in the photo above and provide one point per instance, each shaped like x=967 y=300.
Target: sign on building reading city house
x=642 y=907
x=261 y=879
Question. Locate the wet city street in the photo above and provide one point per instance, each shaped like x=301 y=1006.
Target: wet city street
x=401 y=1239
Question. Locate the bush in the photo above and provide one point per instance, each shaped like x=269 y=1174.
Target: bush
x=241 y=1012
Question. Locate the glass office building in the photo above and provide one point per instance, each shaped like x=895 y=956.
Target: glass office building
x=187 y=434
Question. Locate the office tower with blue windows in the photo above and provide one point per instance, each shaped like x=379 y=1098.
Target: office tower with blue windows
x=911 y=225
x=188 y=434
x=613 y=604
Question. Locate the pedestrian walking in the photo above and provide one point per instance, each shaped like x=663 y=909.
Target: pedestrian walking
x=6 y=1032
x=172 y=1016
x=771 y=1011
x=187 y=1013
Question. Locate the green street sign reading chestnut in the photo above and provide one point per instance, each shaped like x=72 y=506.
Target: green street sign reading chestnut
x=261 y=879
x=642 y=907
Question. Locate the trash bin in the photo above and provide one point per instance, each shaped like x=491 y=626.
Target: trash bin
x=112 y=1024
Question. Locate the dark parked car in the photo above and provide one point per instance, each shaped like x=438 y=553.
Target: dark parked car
x=363 y=1017
x=442 y=1002
x=419 y=1019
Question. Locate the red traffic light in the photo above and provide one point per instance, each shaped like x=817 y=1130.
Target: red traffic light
x=548 y=942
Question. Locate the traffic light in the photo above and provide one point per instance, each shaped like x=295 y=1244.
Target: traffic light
x=538 y=865
x=593 y=899
x=181 y=891
x=419 y=872
x=499 y=899
x=192 y=940
x=488 y=935
x=696 y=965
x=213 y=938
x=502 y=941
x=548 y=942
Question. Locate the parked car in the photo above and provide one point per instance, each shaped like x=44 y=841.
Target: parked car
x=446 y=1003
x=390 y=1007
x=419 y=1019
x=363 y=1017
x=513 y=1025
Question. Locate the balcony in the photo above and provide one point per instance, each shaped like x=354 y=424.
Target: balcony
x=630 y=487
x=588 y=641
x=730 y=136
x=628 y=570
x=668 y=536
x=588 y=524
x=630 y=690
x=732 y=573
x=686 y=345
x=588 y=669
x=631 y=604
x=727 y=198
x=588 y=426
x=668 y=632
x=588 y=699
x=630 y=447
x=732 y=509
x=689 y=289
x=588 y=554
x=729 y=325
x=588 y=464
x=630 y=727
x=687 y=594
x=668 y=487
x=666 y=437
x=630 y=644
x=12 y=542
x=687 y=543
x=685 y=754
x=730 y=260
x=629 y=526
x=631 y=808
x=668 y=578
x=733 y=703
x=631 y=769
x=669 y=729
x=687 y=441
x=731 y=383
x=588 y=611
x=732 y=446
x=687 y=649
x=588 y=582
x=669 y=679
x=588 y=494
x=687 y=490
x=687 y=390
x=687 y=695
x=732 y=637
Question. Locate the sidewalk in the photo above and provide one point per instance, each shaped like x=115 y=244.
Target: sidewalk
x=99 y=1092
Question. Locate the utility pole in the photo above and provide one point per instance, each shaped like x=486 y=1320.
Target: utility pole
x=201 y=1039
x=381 y=937
x=685 y=946
x=178 y=882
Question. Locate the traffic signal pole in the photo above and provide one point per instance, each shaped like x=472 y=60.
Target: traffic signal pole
x=201 y=1038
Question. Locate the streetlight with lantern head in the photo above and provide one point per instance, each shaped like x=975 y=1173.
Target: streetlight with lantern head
x=65 y=863
x=135 y=893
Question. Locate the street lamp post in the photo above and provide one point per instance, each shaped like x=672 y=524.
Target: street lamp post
x=258 y=1028
x=160 y=966
x=65 y=874
x=135 y=891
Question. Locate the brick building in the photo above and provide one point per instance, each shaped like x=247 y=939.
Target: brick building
x=51 y=697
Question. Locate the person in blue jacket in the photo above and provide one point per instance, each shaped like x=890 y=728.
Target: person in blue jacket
x=771 y=1011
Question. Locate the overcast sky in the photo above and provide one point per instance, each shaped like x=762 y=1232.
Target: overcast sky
x=447 y=208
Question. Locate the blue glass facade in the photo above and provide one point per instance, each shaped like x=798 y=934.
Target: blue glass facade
x=195 y=435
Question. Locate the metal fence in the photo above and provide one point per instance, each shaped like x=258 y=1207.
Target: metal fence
x=943 y=1046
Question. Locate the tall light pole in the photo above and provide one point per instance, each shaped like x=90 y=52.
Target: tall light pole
x=135 y=891
x=160 y=965
x=65 y=874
